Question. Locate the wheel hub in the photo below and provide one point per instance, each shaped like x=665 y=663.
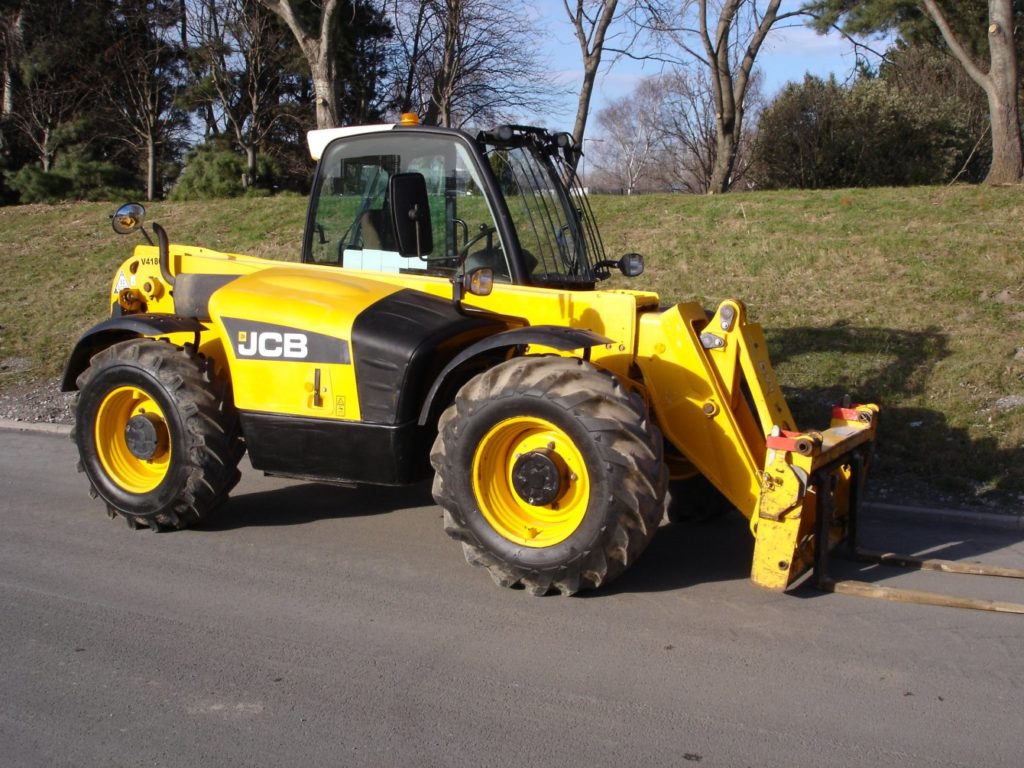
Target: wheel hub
x=142 y=435
x=537 y=477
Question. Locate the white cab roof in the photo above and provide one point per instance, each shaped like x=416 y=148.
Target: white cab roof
x=319 y=139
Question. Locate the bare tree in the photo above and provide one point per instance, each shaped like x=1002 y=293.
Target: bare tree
x=149 y=65
x=632 y=139
x=243 y=51
x=318 y=46
x=726 y=44
x=689 y=129
x=464 y=61
x=687 y=118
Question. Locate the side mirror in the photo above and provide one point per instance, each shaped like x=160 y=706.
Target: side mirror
x=479 y=282
x=631 y=265
x=128 y=218
x=410 y=214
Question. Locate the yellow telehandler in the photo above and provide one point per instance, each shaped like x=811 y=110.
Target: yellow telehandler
x=445 y=318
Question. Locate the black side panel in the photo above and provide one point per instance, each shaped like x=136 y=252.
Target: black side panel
x=401 y=344
x=350 y=451
x=192 y=293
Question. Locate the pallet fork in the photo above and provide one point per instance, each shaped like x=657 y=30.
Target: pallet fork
x=826 y=583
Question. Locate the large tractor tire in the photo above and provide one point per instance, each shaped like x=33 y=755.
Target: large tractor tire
x=157 y=435
x=550 y=474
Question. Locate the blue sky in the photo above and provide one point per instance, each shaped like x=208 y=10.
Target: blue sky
x=788 y=53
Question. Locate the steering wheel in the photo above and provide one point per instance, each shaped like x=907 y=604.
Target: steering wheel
x=485 y=231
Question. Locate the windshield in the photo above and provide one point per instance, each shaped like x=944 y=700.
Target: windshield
x=559 y=242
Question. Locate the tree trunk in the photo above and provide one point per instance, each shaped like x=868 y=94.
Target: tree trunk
x=318 y=48
x=586 y=93
x=1000 y=84
x=42 y=146
x=729 y=88
x=150 y=168
x=325 y=92
x=1007 y=155
x=592 y=51
x=250 y=166
x=12 y=50
x=8 y=84
x=725 y=161
x=723 y=85
x=439 y=111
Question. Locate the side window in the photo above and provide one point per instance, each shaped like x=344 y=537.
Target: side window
x=352 y=223
x=546 y=235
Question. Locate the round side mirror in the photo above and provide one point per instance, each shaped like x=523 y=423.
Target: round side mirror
x=480 y=282
x=632 y=265
x=128 y=218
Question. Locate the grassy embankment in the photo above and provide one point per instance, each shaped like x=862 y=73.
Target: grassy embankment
x=910 y=297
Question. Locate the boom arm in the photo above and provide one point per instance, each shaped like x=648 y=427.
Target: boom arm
x=716 y=399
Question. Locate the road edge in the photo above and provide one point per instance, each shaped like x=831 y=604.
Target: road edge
x=1009 y=521
x=35 y=426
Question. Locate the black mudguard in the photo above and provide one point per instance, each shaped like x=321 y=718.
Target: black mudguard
x=554 y=336
x=117 y=329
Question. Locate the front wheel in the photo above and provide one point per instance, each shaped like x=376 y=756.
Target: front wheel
x=157 y=435
x=549 y=474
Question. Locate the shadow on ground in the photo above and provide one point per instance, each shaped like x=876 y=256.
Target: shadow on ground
x=307 y=502
x=684 y=554
x=920 y=458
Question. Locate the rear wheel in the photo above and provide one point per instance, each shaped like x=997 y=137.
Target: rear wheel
x=549 y=474
x=157 y=435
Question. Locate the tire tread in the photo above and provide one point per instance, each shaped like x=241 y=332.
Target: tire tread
x=630 y=446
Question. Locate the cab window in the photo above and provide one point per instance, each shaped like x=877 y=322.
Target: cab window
x=352 y=226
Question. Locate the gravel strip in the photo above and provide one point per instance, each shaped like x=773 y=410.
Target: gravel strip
x=38 y=401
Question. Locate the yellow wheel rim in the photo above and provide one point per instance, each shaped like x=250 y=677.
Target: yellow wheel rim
x=128 y=470
x=511 y=515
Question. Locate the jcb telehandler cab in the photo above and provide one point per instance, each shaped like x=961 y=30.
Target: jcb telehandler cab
x=445 y=318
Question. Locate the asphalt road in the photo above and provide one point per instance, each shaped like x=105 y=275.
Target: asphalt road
x=310 y=625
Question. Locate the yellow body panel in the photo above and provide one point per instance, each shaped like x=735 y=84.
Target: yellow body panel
x=327 y=299
x=324 y=301
x=149 y=292
x=610 y=313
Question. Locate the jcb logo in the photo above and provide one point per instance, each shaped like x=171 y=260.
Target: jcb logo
x=294 y=346
x=253 y=340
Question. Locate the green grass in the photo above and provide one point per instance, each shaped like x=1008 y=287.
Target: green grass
x=910 y=297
